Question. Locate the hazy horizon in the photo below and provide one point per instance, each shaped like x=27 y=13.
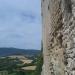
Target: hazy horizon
x=21 y=48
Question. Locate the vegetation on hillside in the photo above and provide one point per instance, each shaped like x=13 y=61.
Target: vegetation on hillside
x=39 y=65
x=14 y=66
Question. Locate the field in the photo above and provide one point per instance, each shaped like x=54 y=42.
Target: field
x=15 y=65
x=21 y=65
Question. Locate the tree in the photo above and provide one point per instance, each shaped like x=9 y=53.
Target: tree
x=39 y=63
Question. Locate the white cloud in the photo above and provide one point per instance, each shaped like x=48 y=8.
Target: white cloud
x=20 y=23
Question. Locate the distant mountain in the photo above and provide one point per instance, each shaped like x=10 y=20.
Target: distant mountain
x=15 y=51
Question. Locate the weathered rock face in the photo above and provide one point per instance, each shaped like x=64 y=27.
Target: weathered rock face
x=58 y=18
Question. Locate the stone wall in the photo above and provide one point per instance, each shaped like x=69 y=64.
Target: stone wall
x=58 y=37
x=69 y=38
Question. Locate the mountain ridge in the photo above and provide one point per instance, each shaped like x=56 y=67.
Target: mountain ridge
x=11 y=51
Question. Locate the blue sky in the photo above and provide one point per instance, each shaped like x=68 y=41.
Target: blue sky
x=20 y=24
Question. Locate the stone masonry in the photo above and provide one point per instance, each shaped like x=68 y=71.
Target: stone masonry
x=58 y=21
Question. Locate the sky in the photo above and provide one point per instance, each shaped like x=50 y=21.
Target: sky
x=20 y=24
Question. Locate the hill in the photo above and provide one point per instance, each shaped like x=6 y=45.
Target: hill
x=16 y=51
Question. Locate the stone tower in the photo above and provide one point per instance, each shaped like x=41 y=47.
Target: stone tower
x=58 y=20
